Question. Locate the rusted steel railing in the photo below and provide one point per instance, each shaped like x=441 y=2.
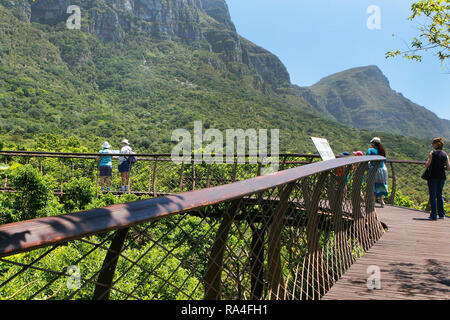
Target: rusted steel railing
x=286 y=235
x=156 y=174
x=153 y=174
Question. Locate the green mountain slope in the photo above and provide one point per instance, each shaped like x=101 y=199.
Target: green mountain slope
x=362 y=98
x=141 y=71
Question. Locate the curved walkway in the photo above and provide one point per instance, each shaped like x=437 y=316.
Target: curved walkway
x=413 y=257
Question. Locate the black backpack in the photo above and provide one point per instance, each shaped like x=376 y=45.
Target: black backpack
x=132 y=159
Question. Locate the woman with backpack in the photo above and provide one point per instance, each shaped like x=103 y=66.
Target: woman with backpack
x=125 y=164
x=438 y=162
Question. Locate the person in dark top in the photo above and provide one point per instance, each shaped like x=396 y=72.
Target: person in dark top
x=439 y=162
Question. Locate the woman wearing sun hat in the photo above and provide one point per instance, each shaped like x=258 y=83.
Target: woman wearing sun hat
x=381 y=177
x=105 y=166
x=125 y=164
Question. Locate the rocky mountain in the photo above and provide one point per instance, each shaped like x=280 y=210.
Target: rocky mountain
x=203 y=24
x=93 y=85
x=362 y=98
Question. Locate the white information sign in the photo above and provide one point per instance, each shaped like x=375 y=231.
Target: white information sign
x=324 y=148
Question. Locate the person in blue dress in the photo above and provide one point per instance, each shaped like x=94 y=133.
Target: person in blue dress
x=381 y=177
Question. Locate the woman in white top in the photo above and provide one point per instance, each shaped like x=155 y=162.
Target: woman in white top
x=125 y=164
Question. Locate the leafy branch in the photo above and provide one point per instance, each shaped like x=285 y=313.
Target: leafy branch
x=434 y=34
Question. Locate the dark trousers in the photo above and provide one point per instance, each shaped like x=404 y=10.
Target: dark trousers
x=435 y=187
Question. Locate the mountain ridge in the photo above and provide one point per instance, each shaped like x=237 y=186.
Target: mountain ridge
x=204 y=24
x=362 y=97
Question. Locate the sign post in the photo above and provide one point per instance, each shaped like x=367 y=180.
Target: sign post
x=325 y=151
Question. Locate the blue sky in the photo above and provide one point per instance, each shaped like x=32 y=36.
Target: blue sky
x=317 y=38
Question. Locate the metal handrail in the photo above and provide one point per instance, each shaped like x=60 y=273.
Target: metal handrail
x=406 y=161
x=155 y=155
x=28 y=235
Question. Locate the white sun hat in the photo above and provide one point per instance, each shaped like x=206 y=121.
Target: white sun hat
x=106 y=145
x=376 y=140
x=125 y=141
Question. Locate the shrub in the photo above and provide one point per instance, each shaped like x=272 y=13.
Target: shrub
x=78 y=193
x=33 y=192
x=403 y=201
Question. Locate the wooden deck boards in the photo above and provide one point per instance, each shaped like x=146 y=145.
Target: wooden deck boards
x=413 y=256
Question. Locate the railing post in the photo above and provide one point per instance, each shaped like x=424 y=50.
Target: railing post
x=312 y=206
x=283 y=163
x=149 y=177
x=394 y=185
x=105 y=278
x=341 y=239
x=155 y=192
x=258 y=170
x=257 y=250
x=181 y=176
x=213 y=274
x=193 y=174
x=257 y=261
x=233 y=178
x=306 y=191
x=208 y=178
x=275 y=276
x=6 y=179
x=372 y=223
x=370 y=195
x=357 y=198
x=61 y=175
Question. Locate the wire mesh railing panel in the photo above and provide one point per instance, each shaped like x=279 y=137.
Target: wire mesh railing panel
x=407 y=187
x=53 y=272
x=151 y=175
x=159 y=260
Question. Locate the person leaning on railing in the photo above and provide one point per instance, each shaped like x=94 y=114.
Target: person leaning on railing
x=125 y=165
x=439 y=162
x=105 y=166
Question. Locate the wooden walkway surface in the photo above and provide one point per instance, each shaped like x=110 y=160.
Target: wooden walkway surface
x=413 y=257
